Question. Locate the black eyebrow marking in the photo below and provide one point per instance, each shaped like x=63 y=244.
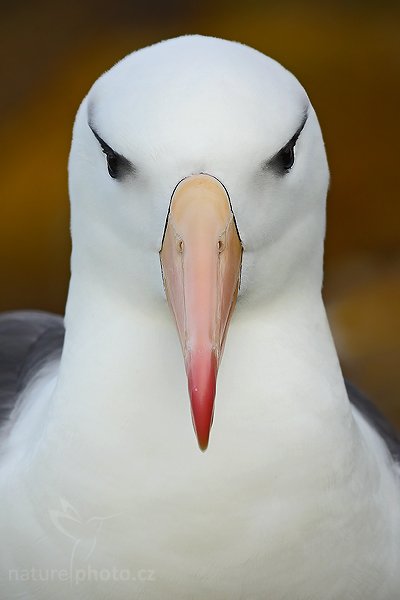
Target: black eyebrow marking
x=125 y=166
x=267 y=163
x=105 y=147
x=299 y=129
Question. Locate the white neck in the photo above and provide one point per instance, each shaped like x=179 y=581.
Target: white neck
x=122 y=390
x=283 y=432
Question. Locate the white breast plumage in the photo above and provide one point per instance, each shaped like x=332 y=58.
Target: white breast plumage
x=198 y=179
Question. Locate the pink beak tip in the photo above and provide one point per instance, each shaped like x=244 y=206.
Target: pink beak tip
x=203 y=445
x=202 y=429
x=202 y=388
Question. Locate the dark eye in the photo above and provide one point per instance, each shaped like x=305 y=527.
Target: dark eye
x=285 y=157
x=118 y=166
x=112 y=164
x=283 y=160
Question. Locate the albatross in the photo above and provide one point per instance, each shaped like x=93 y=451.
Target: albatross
x=198 y=180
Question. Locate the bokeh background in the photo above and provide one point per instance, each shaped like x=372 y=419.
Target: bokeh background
x=346 y=54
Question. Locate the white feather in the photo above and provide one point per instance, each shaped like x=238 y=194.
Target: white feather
x=101 y=479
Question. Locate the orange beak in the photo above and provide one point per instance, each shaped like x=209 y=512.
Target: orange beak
x=201 y=258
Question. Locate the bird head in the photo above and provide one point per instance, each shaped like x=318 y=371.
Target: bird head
x=198 y=175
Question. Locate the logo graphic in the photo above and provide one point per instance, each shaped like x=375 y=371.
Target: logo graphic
x=83 y=532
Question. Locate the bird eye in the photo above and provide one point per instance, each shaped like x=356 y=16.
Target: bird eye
x=283 y=161
x=112 y=164
x=118 y=166
x=285 y=157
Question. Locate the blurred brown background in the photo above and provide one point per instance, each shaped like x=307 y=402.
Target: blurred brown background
x=347 y=56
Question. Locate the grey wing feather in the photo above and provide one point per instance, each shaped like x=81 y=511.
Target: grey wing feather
x=369 y=411
x=28 y=340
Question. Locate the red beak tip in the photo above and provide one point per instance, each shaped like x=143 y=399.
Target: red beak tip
x=202 y=435
x=202 y=374
x=203 y=444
